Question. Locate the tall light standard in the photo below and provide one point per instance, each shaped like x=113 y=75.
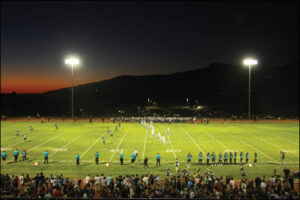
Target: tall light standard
x=72 y=62
x=249 y=62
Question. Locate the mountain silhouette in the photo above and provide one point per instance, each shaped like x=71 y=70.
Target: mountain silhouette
x=221 y=87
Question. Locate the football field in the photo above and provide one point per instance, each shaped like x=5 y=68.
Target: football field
x=267 y=139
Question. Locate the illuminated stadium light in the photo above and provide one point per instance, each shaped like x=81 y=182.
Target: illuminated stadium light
x=249 y=62
x=72 y=62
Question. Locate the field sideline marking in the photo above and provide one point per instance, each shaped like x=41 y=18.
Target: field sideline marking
x=145 y=143
x=7 y=138
x=174 y=154
x=281 y=137
x=45 y=142
x=25 y=140
x=274 y=135
x=280 y=148
x=208 y=133
x=119 y=145
x=89 y=148
x=68 y=143
x=192 y=139
x=249 y=145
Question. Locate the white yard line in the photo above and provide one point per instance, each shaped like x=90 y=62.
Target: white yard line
x=192 y=139
x=280 y=148
x=118 y=145
x=145 y=144
x=90 y=147
x=174 y=154
x=38 y=134
x=274 y=135
x=207 y=133
x=67 y=144
x=44 y=142
x=8 y=138
x=22 y=141
x=249 y=145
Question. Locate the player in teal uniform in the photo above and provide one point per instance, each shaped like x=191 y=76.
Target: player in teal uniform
x=24 y=155
x=235 y=157
x=208 y=158
x=17 y=133
x=25 y=137
x=247 y=157
x=158 y=159
x=213 y=160
x=220 y=158
x=230 y=157
x=200 y=158
x=225 y=158
x=77 y=159
x=4 y=156
x=189 y=157
x=241 y=157
x=97 y=158
x=16 y=155
x=46 y=154
x=132 y=158
x=121 y=158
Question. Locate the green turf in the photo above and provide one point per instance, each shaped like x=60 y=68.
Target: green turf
x=267 y=139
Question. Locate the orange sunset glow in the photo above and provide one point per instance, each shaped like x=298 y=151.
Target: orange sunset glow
x=39 y=84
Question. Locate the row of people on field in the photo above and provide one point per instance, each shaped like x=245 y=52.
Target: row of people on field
x=230 y=158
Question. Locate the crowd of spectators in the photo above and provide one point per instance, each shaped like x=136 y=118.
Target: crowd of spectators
x=184 y=185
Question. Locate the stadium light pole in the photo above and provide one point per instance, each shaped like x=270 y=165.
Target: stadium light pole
x=249 y=62
x=72 y=62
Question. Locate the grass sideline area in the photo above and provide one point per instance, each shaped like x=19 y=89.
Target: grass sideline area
x=266 y=138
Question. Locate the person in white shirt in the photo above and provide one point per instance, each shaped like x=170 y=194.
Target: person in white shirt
x=108 y=179
x=97 y=182
x=145 y=179
x=164 y=140
x=231 y=183
x=159 y=137
x=21 y=178
x=192 y=194
x=87 y=179
x=131 y=192
x=263 y=186
x=272 y=181
x=136 y=153
x=152 y=132
x=244 y=187
x=102 y=180
x=168 y=131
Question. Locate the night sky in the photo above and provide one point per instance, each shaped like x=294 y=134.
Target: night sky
x=136 y=38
